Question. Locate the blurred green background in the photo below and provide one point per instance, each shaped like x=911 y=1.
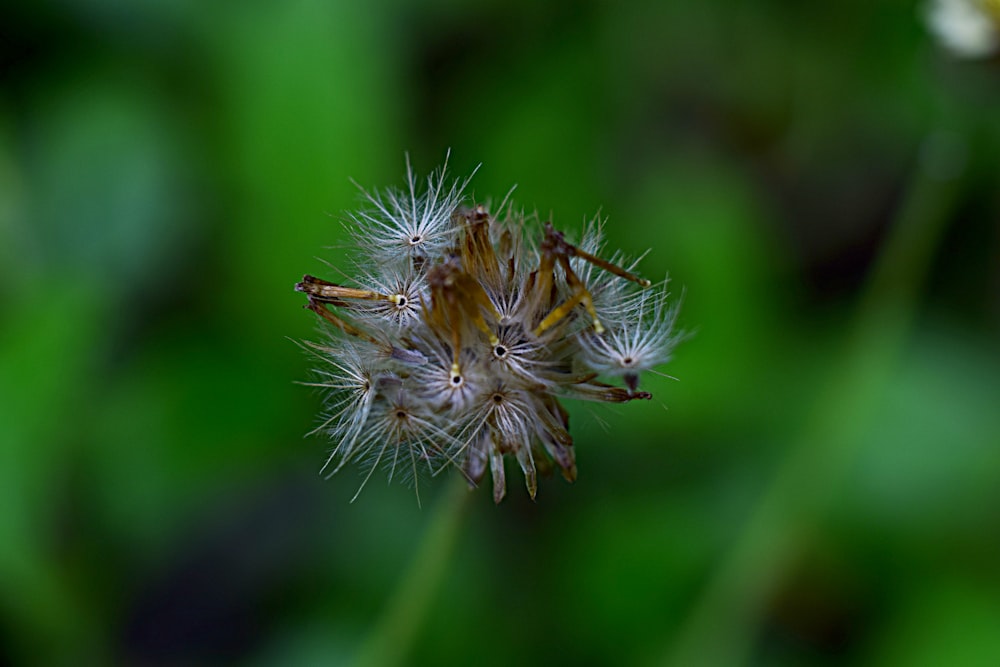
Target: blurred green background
x=820 y=487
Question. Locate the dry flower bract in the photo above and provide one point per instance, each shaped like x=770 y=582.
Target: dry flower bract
x=462 y=329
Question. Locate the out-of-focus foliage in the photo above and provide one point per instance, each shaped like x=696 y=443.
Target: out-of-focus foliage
x=168 y=170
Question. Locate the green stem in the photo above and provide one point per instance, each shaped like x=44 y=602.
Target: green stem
x=723 y=624
x=391 y=639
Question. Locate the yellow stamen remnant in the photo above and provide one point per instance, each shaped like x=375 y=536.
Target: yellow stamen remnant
x=556 y=248
x=564 y=309
x=578 y=287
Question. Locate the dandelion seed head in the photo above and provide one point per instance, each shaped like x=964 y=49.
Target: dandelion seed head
x=463 y=330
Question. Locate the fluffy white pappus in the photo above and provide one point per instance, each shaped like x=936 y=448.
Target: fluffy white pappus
x=405 y=439
x=401 y=226
x=404 y=291
x=349 y=379
x=438 y=386
x=518 y=355
x=505 y=421
x=641 y=336
x=607 y=290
